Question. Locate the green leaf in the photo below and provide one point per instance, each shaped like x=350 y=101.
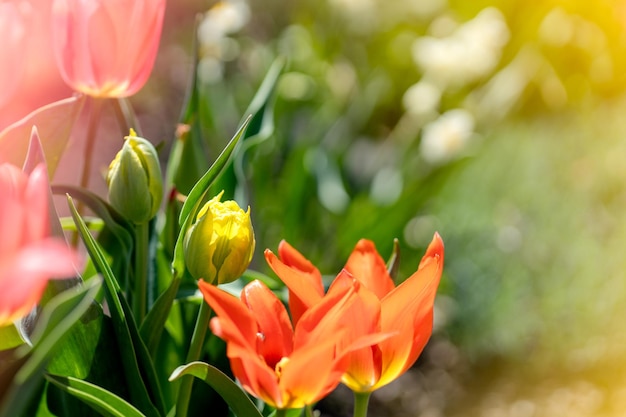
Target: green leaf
x=57 y=318
x=188 y=158
x=55 y=321
x=262 y=122
x=199 y=190
x=235 y=397
x=121 y=230
x=10 y=337
x=119 y=226
x=122 y=323
x=154 y=323
x=86 y=352
x=261 y=126
x=101 y=400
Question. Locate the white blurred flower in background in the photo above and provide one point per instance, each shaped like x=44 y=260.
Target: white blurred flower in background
x=422 y=99
x=468 y=54
x=216 y=46
x=447 y=137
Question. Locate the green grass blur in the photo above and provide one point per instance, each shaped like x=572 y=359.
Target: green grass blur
x=525 y=178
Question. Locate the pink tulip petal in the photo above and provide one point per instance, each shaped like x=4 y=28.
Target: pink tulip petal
x=54 y=123
x=24 y=275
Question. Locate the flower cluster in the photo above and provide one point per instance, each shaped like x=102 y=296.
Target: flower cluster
x=363 y=331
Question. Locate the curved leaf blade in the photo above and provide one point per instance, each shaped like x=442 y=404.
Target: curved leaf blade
x=203 y=184
x=101 y=400
x=235 y=397
x=122 y=320
x=61 y=313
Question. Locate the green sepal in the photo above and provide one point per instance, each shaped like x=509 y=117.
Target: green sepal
x=393 y=264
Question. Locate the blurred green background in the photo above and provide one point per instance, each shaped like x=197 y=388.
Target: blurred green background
x=498 y=124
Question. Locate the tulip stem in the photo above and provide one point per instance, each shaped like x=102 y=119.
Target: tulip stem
x=280 y=412
x=195 y=350
x=361 y=401
x=126 y=117
x=92 y=129
x=140 y=294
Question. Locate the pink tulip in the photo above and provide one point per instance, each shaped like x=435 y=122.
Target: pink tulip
x=106 y=48
x=29 y=77
x=29 y=256
x=13 y=23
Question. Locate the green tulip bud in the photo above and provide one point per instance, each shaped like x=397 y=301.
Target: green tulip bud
x=220 y=243
x=134 y=180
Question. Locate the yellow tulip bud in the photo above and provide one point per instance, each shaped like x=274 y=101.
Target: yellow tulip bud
x=220 y=243
x=134 y=180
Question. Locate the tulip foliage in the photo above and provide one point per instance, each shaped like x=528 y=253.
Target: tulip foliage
x=127 y=306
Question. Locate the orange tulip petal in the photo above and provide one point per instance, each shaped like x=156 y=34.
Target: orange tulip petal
x=304 y=290
x=364 y=369
x=295 y=260
x=321 y=321
x=255 y=376
x=362 y=319
x=400 y=353
x=416 y=295
x=275 y=337
x=236 y=323
x=409 y=310
x=366 y=265
x=311 y=373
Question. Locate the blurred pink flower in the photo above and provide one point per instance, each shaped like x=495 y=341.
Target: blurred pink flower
x=27 y=63
x=106 y=48
x=13 y=20
x=29 y=256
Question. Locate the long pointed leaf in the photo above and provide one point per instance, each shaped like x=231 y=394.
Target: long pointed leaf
x=101 y=400
x=121 y=318
x=201 y=187
x=153 y=324
x=235 y=397
x=260 y=122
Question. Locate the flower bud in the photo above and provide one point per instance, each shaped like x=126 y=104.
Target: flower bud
x=220 y=243
x=134 y=180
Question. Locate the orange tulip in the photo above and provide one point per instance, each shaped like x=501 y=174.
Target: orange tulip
x=106 y=48
x=285 y=366
x=406 y=311
x=28 y=255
